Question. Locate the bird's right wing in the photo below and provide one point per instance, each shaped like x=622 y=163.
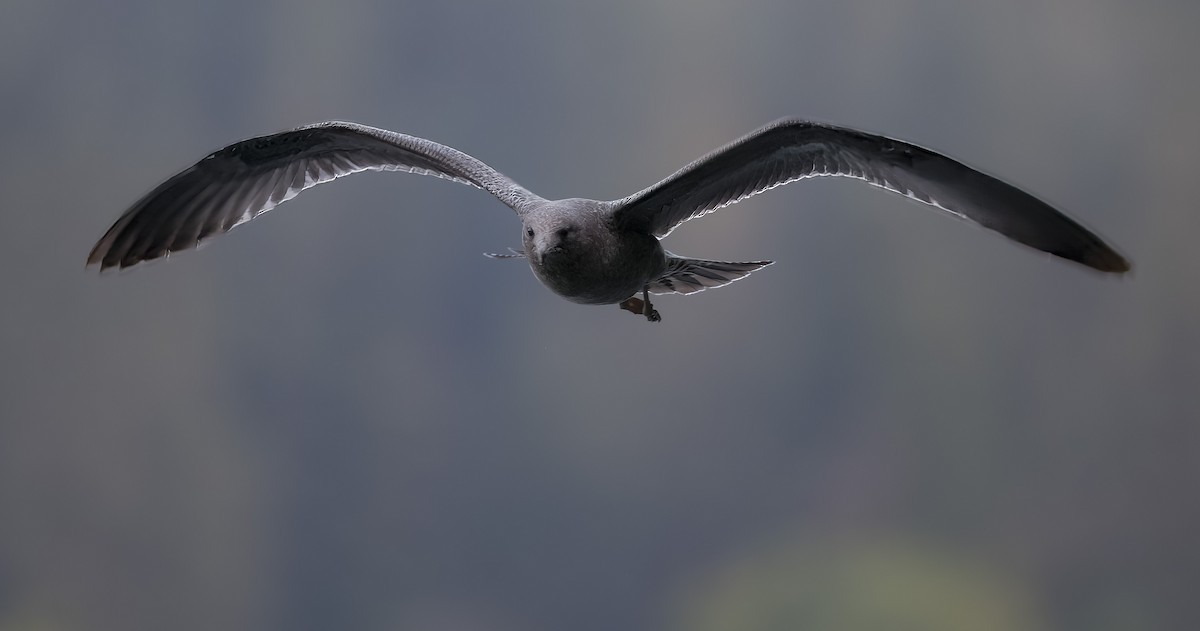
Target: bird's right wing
x=248 y=178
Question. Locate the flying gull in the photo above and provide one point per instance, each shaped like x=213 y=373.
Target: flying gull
x=589 y=251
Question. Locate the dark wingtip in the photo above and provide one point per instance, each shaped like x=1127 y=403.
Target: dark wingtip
x=1101 y=257
x=1113 y=263
x=99 y=256
x=102 y=256
x=96 y=257
x=1064 y=237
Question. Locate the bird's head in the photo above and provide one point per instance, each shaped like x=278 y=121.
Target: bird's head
x=550 y=239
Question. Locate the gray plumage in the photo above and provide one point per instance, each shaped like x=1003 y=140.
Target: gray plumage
x=589 y=251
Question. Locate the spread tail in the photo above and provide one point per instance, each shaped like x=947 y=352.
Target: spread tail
x=688 y=276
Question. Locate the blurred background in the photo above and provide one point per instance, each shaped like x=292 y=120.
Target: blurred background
x=341 y=416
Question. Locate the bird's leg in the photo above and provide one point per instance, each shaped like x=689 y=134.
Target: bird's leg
x=648 y=309
x=641 y=306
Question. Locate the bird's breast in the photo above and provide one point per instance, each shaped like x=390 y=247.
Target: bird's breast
x=601 y=275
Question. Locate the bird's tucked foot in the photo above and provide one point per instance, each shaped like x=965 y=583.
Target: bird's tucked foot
x=637 y=306
x=633 y=305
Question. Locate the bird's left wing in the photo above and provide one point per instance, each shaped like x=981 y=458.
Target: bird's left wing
x=240 y=182
x=790 y=150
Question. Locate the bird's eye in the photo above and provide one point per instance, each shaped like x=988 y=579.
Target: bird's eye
x=529 y=232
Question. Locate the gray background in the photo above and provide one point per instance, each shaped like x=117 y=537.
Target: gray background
x=342 y=416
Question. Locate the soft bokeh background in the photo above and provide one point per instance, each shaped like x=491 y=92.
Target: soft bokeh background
x=341 y=416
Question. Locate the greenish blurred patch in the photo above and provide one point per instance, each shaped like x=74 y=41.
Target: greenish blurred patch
x=28 y=621
x=858 y=585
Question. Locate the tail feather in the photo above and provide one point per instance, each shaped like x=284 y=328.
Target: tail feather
x=688 y=276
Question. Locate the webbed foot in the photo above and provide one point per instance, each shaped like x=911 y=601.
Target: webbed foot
x=641 y=307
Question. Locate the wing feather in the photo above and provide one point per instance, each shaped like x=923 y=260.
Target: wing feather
x=791 y=150
x=245 y=179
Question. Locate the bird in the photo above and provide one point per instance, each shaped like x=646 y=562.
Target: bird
x=590 y=251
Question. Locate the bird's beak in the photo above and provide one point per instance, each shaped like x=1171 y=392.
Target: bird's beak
x=547 y=249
